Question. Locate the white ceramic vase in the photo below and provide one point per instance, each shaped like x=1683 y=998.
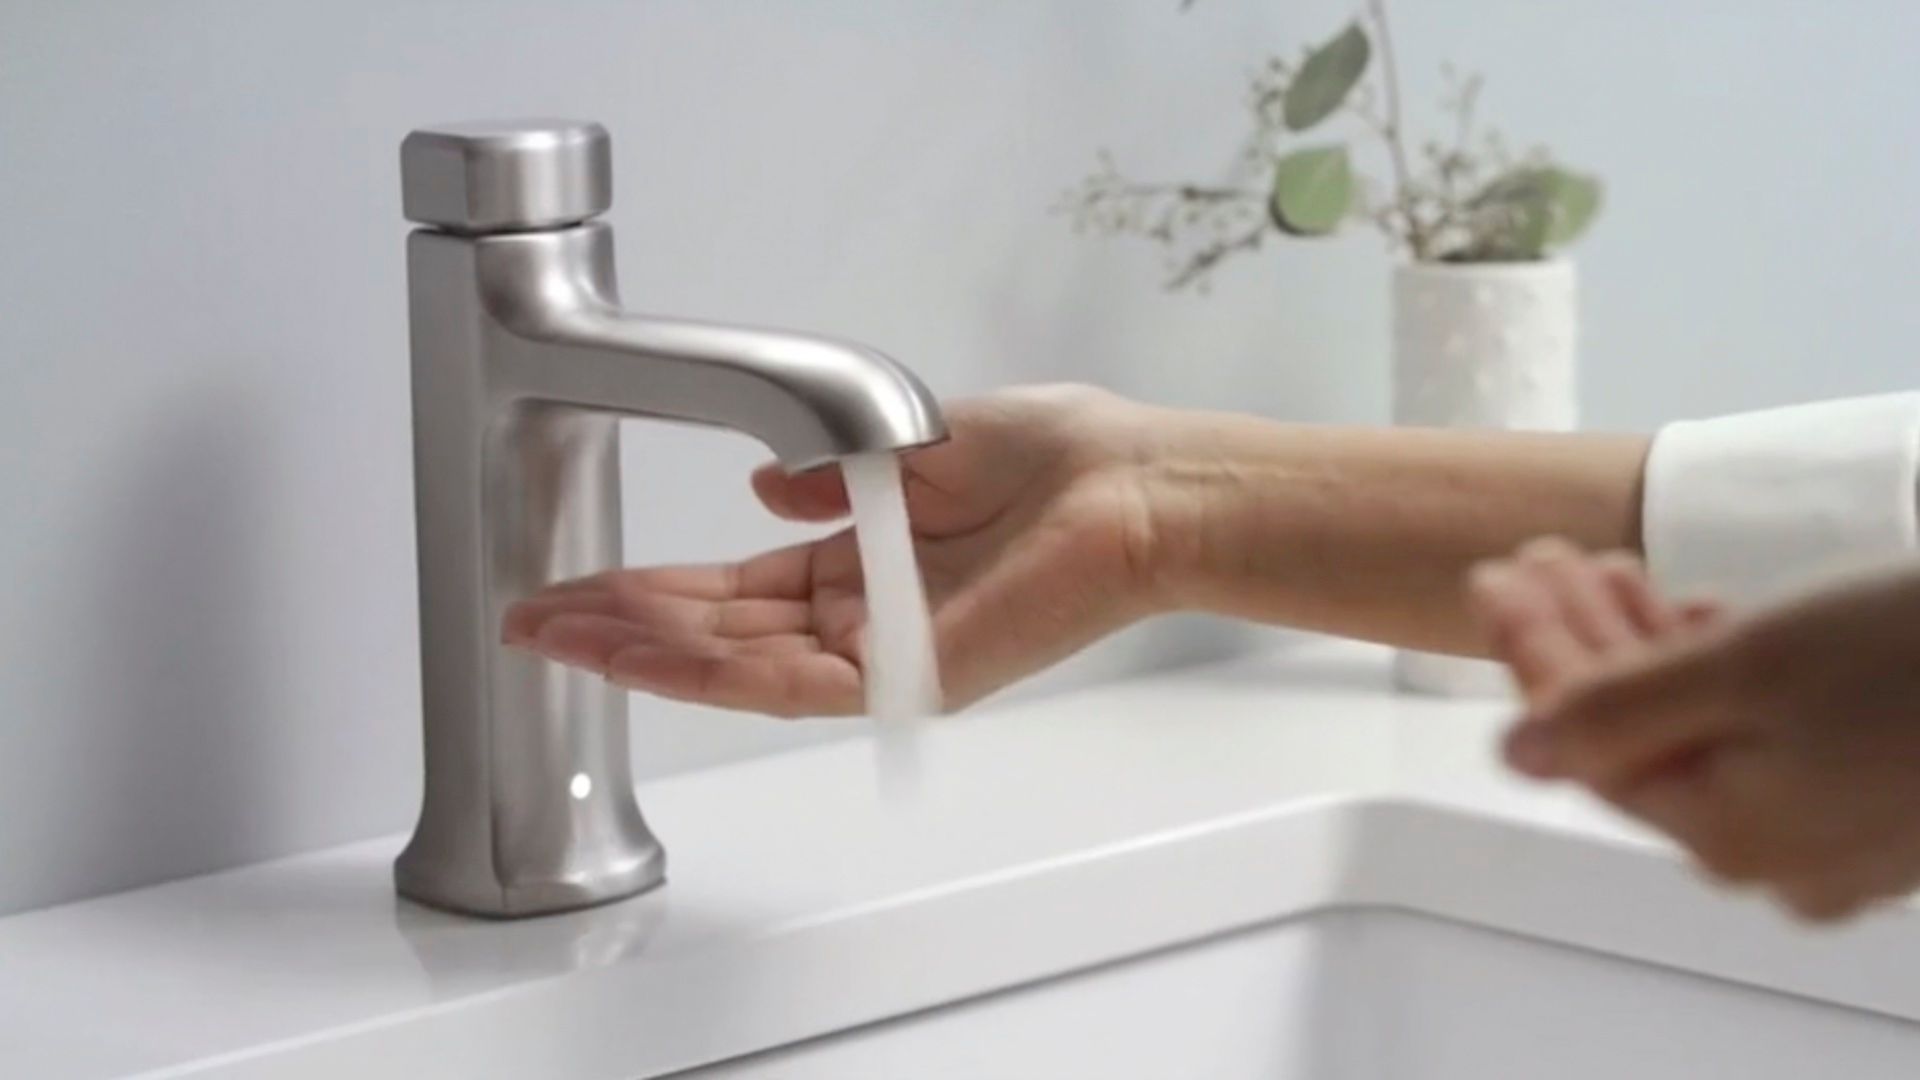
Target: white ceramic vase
x=1480 y=346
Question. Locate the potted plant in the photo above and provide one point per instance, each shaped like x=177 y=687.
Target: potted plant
x=1483 y=307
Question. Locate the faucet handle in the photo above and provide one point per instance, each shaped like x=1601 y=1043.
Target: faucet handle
x=506 y=175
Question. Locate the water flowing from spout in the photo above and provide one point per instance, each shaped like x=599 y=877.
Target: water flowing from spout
x=901 y=666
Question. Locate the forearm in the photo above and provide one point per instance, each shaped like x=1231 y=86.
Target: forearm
x=1368 y=532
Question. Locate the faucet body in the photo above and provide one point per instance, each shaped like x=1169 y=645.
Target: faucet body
x=523 y=361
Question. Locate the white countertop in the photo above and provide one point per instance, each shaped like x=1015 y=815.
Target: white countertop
x=1044 y=838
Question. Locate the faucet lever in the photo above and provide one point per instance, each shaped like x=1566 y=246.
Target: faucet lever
x=500 y=176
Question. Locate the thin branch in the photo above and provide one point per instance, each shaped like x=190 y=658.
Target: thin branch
x=1389 y=74
x=1451 y=226
x=1196 y=193
x=1468 y=100
x=1203 y=262
x=1362 y=110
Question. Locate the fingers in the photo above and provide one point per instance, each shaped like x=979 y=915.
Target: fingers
x=1615 y=725
x=742 y=617
x=1525 y=628
x=751 y=617
x=784 y=574
x=587 y=640
x=1727 y=804
x=1690 y=802
x=1594 y=650
x=1702 y=614
x=524 y=618
x=1820 y=902
x=788 y=684
x=1826 y=899
x=1552 y=610
x=1871 y=877
x=1592 y=610
x=814 y=495
x=1656 y=708
x=739 y=635
x=763 y=595
x=657 y=614
x=1625 y=578
x=781 y=674
x=1694 y=802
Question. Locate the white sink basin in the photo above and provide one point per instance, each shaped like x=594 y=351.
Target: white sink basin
x=1366 y=993
x=1274 y=869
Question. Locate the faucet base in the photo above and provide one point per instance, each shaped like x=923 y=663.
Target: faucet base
x=610 y=883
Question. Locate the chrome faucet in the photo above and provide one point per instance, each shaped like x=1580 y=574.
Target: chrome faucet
x=522 y=362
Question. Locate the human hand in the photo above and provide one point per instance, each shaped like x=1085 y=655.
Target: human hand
x=1782 y=750
x=1034 y=539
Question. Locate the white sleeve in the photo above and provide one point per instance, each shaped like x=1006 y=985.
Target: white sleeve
x=1752 y=506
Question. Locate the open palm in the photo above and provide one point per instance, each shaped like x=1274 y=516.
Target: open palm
x=1031 y=534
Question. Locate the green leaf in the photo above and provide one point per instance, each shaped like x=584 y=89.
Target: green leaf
x=1312 y=190
x=1328 y=75
x=1526 y=211
x=1576 y=203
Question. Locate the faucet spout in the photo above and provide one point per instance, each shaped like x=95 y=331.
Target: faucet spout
x=810 y=399
x=522 y=362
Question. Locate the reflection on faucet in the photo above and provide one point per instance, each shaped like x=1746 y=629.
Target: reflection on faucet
x=521 y=358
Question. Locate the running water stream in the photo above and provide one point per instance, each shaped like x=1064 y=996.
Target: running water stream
x=902 y=668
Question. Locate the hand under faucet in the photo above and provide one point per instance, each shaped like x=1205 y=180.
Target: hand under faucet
x=1058 y=515
x=1029 y=529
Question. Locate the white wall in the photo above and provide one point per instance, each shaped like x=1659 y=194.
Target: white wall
x=207 y=638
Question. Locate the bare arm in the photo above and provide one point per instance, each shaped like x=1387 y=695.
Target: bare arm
x=1055 y=516
x=1368 y=532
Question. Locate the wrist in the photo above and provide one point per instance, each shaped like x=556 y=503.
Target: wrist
x=1190 y=532
x=1116 y=467
x=1242 y=516
x=1181 y=492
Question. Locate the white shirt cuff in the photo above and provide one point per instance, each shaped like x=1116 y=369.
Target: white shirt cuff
x=1750 y=507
